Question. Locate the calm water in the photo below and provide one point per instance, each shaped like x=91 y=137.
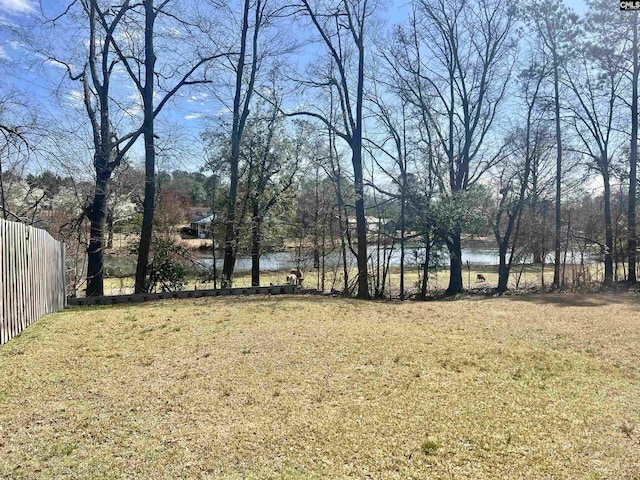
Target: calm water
x=286 y=260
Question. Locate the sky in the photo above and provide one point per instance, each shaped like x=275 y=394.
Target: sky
x=15 y=7
x=15 y=11
x=190 y=112
x=10 y=10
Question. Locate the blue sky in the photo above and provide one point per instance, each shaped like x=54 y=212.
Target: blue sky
x=189 y=112
x=581 y=7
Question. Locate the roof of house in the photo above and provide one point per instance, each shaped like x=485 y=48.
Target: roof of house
x=371 y=220
x=204 y=220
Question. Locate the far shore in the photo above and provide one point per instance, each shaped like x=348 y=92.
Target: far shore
x=480 y=243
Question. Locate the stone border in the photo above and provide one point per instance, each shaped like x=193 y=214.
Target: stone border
x=221 y=292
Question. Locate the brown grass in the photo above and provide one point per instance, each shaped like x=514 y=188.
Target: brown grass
x=124 y=285
x=532 y=387
x=530 y=277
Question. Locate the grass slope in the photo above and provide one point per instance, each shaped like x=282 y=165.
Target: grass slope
x=295 y=387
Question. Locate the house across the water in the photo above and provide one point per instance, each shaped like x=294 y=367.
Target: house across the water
x=202 y=227
x=374 y=224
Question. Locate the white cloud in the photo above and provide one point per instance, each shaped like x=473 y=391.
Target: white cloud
x=200 y=98
x=172 y=32
x=16 y=7
x=3 y=54
x=194 y=116
x=55 y=64
x=133 y=111
x=75 y=97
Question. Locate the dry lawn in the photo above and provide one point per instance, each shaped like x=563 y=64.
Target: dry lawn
x=335 y=279
x=530 y=277
x=305 y=387
x=124 y=285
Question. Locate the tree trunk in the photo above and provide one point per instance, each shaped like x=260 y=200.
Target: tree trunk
x=361 y=225
x=316 y=236
x=386 y=264
x=343 y=223
x=544 y=242
x=110 y=230
x=402 y=236
x=229 y=238
x=503 y=246
x=608 y=242
x=556 y=81
x=363 y=279
x=537 y=256
x=3 y=202
x=454 y=244
x=213 y=255
x=255 y=247
x=212 y=230
x=236 y=138
x=324 y=234
x=148 y=207
x=566 y=249
x=95 y=251
x=345 y=266
x=513 y=220
x=538 y=247
x=425 y=271
x=376 y=291
x=633 y=160
x=503 y=266
x=148 y=203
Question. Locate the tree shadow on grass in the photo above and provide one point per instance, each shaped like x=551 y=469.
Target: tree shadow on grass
x=488 y=294
x=539 y=298
x=577 y=299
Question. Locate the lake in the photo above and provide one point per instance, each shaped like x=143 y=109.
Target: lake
x=286 y=260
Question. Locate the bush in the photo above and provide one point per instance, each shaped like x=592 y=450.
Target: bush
x=166 y=267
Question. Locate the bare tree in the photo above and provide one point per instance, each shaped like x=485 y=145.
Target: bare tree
x=109 y=146
x=273 y=161
x=393 y=148
x=245 y=67
x=596 y=82
x=556 y=26
x=341 y=27
x=335 y=172
x=514 y=179
x=140 y=63
x=455 y=61
x=14 y=150
x=632 y=241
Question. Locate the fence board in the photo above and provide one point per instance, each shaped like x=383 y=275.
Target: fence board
x=32 y=277
x=3 y=313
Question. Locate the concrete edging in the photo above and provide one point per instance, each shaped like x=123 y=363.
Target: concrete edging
x=151 y=297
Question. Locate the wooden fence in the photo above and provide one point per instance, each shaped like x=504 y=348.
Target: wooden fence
x=32 y=277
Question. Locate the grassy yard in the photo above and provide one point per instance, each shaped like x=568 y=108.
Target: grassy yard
x=305 y=387
x=529 y=276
